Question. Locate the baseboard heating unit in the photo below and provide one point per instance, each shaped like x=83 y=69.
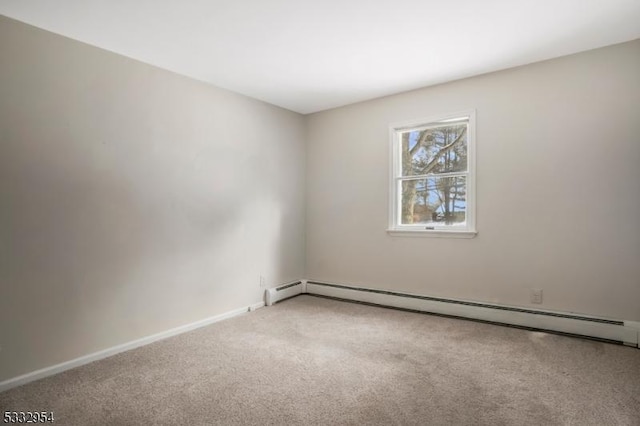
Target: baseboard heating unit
x=609 y=330
x=283 y=292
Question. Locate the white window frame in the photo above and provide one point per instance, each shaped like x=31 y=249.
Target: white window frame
x=446 y=231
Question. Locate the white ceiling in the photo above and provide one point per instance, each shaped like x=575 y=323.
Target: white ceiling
x=309 y=56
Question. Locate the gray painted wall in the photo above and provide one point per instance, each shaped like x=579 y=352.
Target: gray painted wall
x=558 y=161
x=132 y=200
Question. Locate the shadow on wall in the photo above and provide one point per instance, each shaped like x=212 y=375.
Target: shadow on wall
x=132 y=200
x=101 y=248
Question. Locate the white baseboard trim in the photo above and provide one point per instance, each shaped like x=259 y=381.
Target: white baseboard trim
x=626 y=332
x=77 y=362
x=256 y=306
x=285 y=291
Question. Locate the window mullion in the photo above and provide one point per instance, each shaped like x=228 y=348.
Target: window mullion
x=429 y=176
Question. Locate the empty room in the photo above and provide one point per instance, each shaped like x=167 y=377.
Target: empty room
x=300 y=212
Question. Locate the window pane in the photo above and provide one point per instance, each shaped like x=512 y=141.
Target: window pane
x=434 y=201
x=435 y=150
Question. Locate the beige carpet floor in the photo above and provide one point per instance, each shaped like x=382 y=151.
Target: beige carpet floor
x=310 y=361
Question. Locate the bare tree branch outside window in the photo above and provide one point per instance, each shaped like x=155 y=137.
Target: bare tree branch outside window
x=433 y=177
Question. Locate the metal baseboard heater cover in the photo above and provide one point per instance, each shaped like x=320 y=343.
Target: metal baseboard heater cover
x=613 y=331
x=283 y=292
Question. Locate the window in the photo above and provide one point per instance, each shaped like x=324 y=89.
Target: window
x=433 y=177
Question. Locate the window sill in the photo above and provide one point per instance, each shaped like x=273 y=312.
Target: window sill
x=431 y=233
